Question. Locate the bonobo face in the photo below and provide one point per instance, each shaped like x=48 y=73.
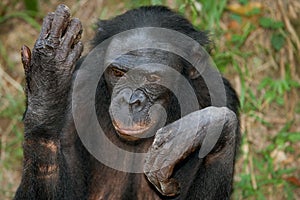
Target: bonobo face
x=138 y=83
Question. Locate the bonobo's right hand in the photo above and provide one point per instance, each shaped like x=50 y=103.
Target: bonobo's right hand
x=49 y=69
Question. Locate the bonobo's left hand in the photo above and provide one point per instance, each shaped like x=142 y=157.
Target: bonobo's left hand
x=176 y=141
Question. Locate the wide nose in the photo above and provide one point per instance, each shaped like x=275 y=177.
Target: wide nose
x=137 y=100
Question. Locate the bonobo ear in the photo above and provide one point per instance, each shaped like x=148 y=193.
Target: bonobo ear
x=193 y=73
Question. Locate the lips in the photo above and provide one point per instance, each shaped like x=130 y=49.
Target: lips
x=130 y=133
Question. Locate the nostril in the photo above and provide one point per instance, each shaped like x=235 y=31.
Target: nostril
x=137 y=100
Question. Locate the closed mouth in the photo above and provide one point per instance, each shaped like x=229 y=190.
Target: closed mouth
x=130 y=132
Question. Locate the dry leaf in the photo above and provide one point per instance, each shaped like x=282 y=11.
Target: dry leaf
x=293 y=180
x=244 y=9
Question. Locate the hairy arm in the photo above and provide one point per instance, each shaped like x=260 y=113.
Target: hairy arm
x=173 y=143
x=48 y=72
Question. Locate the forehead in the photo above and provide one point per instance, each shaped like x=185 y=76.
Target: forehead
x=136 y=41
x=142 y=46
x=147 y=57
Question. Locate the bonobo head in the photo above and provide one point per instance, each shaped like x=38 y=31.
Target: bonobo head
x=139 y=83
x=142 y=82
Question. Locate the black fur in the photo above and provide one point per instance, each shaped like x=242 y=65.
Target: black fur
x=79 y=175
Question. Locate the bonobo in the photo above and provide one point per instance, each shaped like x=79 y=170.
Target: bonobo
x=167 y=126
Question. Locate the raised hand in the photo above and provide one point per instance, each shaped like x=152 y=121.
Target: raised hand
x=49 y=68
x=48 y=72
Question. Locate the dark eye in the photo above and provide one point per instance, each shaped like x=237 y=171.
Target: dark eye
x=153 y=78
x=117 y=72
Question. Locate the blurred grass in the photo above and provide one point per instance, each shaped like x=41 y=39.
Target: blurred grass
x=256 y=47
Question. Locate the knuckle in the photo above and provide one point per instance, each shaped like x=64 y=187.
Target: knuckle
x=48 y=17
x=52 y=42
x=60 y=57
x=76 y=26
x=43 y=52
x=76 y=21
x=63 y=10
x=79 y=47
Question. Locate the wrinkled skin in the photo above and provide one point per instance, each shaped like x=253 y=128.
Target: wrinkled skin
x=136 y=92
x=57 y=165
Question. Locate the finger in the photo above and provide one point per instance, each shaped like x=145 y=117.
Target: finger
x=150 y=160
x=153 y=179
x=71 y=36
x=159 y=168
x=164 y=173
x=168 y=187
x=59 y=23
x=26 y=58
x=47 y=22
x=74 y=55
